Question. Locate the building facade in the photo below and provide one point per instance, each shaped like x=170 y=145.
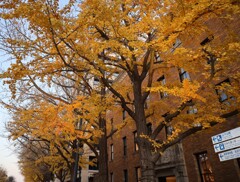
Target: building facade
x=193 y=159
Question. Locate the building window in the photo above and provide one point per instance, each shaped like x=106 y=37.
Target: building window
x=125 y=175
x=207 y=40
x=223 y=97
x=111 y=177
x=192 y=110
x=238 y=161
x=183 y=74
x=124 y=146
x=167 y=179
x=112 y=126
x=169 y=130
x=138 y=174
x=176 y=45
x=157 y=59
x=111 y=152
x=93 y=159
x=149 y=128
x=205 y=169
x=96 y=82
x=136 y=148
x=146 y=102
x=124 y=114
x=162 y=81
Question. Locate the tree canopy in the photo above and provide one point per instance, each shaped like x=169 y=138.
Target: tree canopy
x=58 y=53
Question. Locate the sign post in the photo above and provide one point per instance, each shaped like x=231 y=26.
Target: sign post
x=226 y=141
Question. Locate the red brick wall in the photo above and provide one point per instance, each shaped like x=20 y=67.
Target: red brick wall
x=226 y=171
x=199 y=142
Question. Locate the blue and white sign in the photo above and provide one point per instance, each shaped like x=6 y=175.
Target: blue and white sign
x=228 y=155
x=226 y=135
x=230 y=144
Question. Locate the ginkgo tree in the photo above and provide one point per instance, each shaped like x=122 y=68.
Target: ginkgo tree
x=138 y=39
x=3 y=174
x=36 y=95
x=32 y=171
x=38 y=119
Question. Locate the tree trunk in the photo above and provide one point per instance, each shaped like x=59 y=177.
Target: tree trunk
x=147 y=166
x=102 y=145
x=75 y=162
x=102 y=160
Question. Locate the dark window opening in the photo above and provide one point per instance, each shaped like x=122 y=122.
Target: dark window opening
x=112 y=126
x=94 y=160
x=238 y=161
x=207 y=40
x=124 y=146
x=111 y=177
x=96 y=81
x=205 y=168
x=162 y=81
x=149 y=128
x=125 y=175
x=138 y=174
x=167 y=179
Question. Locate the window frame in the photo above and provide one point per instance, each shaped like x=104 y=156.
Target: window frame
x=125 y=175
x=192 y=110
x=183 y=74
x=136 y=147
x=162 y=81
x=95 y=167
x=111 y=152
x=207 y=40
x=169 y=130
x=220 y=92
x=204 y=176
x=111 y=177
x=124 y=114
x=149 y=128
x=138 y=174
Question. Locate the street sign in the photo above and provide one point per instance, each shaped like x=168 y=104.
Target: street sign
x=228 y=155
x=226 y=135
x=230 y=144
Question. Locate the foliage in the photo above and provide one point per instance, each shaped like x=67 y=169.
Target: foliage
x=58 y=52
x=3 y=175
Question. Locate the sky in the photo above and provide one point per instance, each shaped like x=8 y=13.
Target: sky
x=8 y=158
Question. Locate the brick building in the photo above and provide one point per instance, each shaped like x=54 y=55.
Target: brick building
x=201 y=161
x=193 y=159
